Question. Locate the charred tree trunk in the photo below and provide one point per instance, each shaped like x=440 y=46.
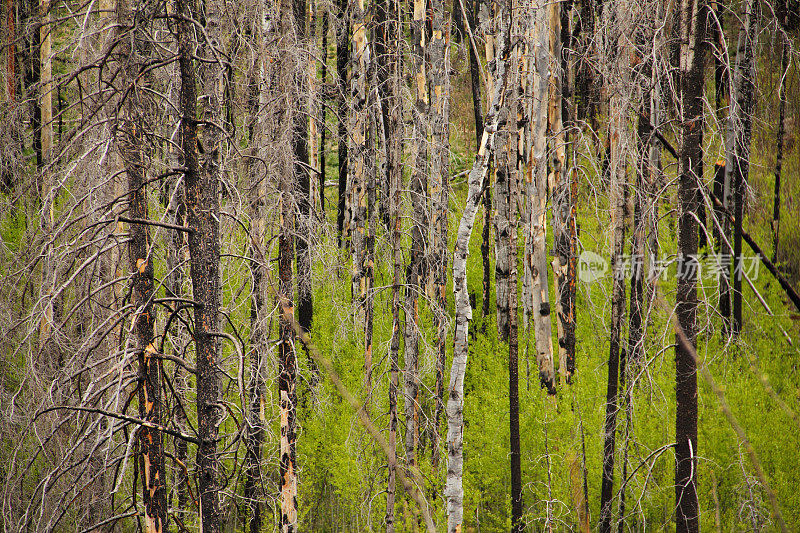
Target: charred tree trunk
x=617 y=201
x=387 y=46
x=342 y=51
x=253 y=487
x=585 y=93
x=202 y=221
x=506 y=224
x=288 y=182
x=132 y=148
x=357 y=167
x=776 y=204
x=302 y=172
x=692 y=62
x=740 y=121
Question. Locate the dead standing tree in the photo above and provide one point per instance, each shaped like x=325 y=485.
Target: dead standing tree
x=454 y=489
x=692 y=76
x=134 y=148
x=201 y=179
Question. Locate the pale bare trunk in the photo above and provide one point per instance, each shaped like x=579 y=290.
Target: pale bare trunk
x=454 y=491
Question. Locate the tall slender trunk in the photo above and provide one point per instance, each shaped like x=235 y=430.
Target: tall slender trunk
x=618 y=204
x=693 y=14
x=502 y=197
x=560 y=191
x=568 y=245
x=357 y=165
x=454 y=491
x=302 y=172
x=323 y=114
x=374 y=140
x=387 y=48
x=288 y=182
x=585 y=93
x=506 y=224
x=10 y=19
x=132 y=148
x=342 y=47
x=46 y=78
x=738 y=144
x=45 y=146
x=416 y=272
x=484 y=21
x=776 y=204
x=536 y=265
x=470 y=20
x=202 y=221
x=439 y=51
x=258 y=270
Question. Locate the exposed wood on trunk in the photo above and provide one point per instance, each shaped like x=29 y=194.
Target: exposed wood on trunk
x=502 y=191
x=454 y=491
x=692 y=62
x=131 y=145
x=202 y=208
x=439 y=53
x=536 y=267
x=359 y=160
x=286 y=88
x=560 y=194
x=417 y=267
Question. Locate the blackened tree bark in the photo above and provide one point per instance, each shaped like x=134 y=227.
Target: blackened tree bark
x=618 y=204
x=585 y=92
x=302 y=175
x=387 y=39
x=738 y=144
x=692 y=76
x=258 y=270
x=202 y=220
x=131 y=140
x=506 y=224
x=287 y=72
x=342 y=51
x=776 y=204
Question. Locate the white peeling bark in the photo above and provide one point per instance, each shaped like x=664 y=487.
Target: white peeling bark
x=454 y=490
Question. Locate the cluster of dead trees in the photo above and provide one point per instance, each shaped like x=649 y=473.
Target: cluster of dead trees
x=166 y=189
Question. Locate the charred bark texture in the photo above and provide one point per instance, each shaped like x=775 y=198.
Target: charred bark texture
x=692 y=62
